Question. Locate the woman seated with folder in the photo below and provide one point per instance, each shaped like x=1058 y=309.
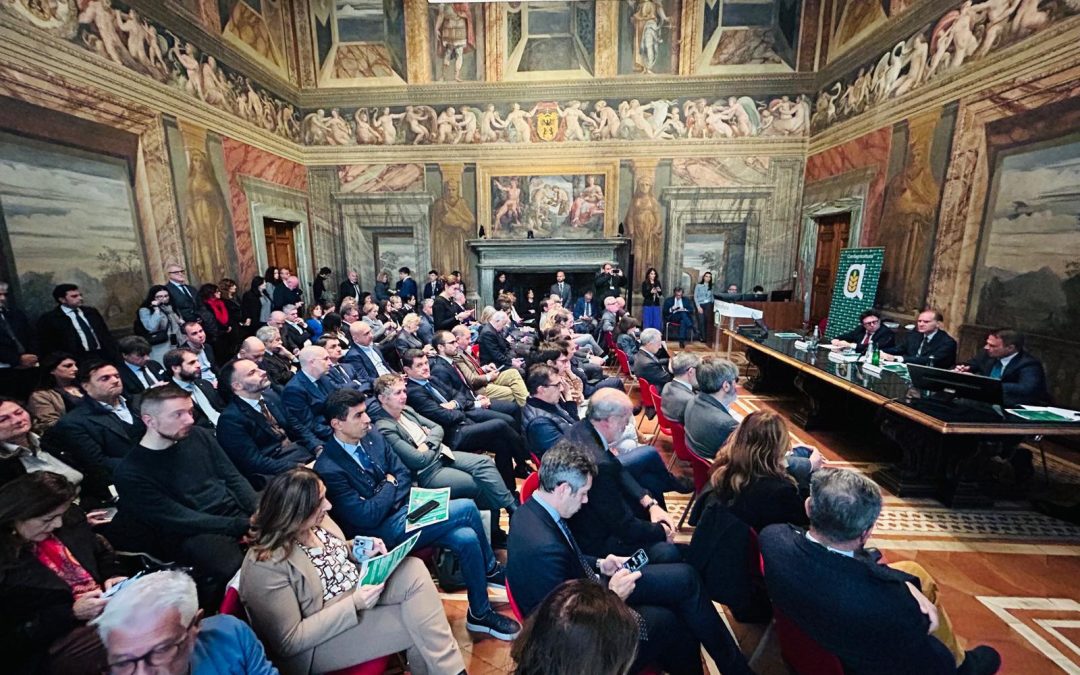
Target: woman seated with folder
x=300 y=586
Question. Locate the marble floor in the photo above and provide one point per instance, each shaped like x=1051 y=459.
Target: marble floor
x=1008 y=575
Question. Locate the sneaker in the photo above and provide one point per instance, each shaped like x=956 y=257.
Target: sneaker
x=494 y=624
x=496 y=578
x=983 y=660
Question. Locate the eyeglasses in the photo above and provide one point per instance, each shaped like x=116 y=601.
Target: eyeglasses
x=871 y=322
x=550 y=384
x=175 y=271
x=158 y=656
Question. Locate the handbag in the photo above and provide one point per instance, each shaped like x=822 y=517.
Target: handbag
x=156 y=337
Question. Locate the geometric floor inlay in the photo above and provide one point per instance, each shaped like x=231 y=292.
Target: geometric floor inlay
x=982 y=523
x=1014 y=611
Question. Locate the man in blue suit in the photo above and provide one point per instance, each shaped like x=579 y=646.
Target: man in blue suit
x=681 y=310
x=341 y=375
x=406 y=285
x=1023 y=380
x=369 y=487
x=364 y=357
x=254 y=429
x=305 y=395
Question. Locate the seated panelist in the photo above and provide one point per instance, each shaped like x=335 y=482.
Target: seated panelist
x=1023 y=380
x=870 y=329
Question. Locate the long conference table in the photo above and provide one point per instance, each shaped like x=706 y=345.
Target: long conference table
x=944 y=449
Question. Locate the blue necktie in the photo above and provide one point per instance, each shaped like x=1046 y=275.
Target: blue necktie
x=434 y=392
x=996 y=371
x=362 y=457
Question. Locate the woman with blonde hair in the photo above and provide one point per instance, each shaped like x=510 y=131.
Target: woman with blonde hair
x=300 y=586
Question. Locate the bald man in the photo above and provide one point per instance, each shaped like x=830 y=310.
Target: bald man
x=305 y=395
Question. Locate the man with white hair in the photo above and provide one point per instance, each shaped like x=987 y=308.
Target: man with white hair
x=610 y=318
x=305 y=395
x=155 y=621
x=647 y=364
x=288 y=292
x=427 y=321
x=295 y=332
x=265 y=349
x=494 y=347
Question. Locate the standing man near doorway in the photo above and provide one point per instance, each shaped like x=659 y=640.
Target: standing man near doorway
x=562 y=288
x=181 y=294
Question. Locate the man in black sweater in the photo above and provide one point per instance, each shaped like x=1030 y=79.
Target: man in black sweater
x=179 y=482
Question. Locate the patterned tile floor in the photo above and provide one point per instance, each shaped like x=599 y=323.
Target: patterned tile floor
x=1007 y=574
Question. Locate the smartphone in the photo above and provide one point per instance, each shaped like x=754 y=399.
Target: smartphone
x=362 y=547
x=502 y=368
x=116 y=587
x=422 y=511
x=636 y=561
x=101 y=516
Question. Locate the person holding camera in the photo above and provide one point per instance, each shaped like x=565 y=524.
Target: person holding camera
x=609 y=282
x=159 y=323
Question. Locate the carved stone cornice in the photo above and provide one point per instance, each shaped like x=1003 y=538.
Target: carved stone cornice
x=1052 y=49
x=645 y=88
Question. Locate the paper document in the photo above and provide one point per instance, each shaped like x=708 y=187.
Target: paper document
x=420 y=496
x=377 y=570
x=787 y=336
x=1034 y=413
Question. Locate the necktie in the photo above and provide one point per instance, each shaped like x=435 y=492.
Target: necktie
x=274 y=426
x=204 y=405
x=341 y=371
x=187 y=291
x=588 y=309
x=866 y=338
x=923 y=345
x=365 y=462
x=996 y=371
x=434 y=392
x=560 y=288
x=148 y=377
x=6 y=327
x=92 y=344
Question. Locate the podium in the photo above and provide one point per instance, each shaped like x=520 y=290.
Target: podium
x=732 y=311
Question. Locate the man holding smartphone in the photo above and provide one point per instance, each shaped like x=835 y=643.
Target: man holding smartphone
x=675 y=617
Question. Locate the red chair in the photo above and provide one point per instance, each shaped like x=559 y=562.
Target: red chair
x=529 y=486
x=645 y=391
x=513 y=605
x=624 y=367
x=661 y=420
x=608 y=341
x=536 y=459
x=801 y=652
x=699 y=465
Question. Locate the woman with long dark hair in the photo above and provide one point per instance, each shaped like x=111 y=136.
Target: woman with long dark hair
x=652 y=294
x=57 y=393
x=53 y=571
x=301 y=586
x=703 y=298
x=228 y=288
x=255 y=306
x=501 y=285
x=273 y=279
x=214 y=317
x=159 y=323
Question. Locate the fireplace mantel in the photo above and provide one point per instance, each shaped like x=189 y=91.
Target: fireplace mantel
x=522 y=255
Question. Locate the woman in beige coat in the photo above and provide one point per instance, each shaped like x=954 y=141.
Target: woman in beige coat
x=301 y=589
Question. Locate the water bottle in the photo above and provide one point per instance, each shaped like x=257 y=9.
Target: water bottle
x=875 y=355
x=815 y=338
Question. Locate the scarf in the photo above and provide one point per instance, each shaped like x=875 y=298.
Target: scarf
x=221 y=313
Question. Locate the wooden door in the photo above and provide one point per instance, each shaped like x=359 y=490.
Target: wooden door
x=832 y=235
x=280 y=243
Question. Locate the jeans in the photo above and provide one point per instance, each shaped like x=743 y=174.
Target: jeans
x=462 y=533
x=472 y=476
x=647 y=466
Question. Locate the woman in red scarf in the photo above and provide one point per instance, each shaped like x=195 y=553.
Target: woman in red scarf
x=214 y=316
x=53 y=571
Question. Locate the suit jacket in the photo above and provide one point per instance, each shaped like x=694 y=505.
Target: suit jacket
x=277 y=369
x=544 y=424
x=283 y=596
x=648 y=367
x=426 y=332
x=184 y=304
x=432 y=288
x=708 y=424
x=363 y=500
x=494 y=348
x=348 y=289
x=250 y=442
x=363 y=368
x=687 y=303
x=304 y=402
x=443 y=313
x=294 y=337
x=133 y=384
x=883 y=337
x=856 y=609
x=95 y=440
x=340 y=380
x=612 y=521
x=213 y=397
x=539 y=557
x=37 y=602
x=468 y=366
x=1023 y=381
x=451 y=379
x=424 y=403
x=403 y=341
x=283 y=295
x=674 y=398
x=565 y=294
x=608 y=285
x=406 y=288
x=579 y=308
x=941 y=351
x=57 y=334
x=23 y=332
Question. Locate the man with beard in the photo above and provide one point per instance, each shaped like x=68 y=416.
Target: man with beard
x=180 y=485
x=183 y=367
x=254 y=428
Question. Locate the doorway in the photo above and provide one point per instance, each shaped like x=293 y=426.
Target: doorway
x=833 y=231
x=281 y=243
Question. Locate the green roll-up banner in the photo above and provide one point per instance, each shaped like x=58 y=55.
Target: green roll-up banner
x=855 y=288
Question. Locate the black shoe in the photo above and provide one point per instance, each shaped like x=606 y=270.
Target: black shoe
x=650 y=412
x=636 y=410
x=682 y=485
x=522 y=471
x=983 y=660
x=682 y=344
x=498 y=537
x=496 y=578
x=494 y=624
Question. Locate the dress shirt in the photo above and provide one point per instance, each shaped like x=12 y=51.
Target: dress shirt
x=204 y=365
x=200 y=400
x=426 y=384
x=33 y=458
x=78 y=319
x=120 y=410
x=1002 y=363
x=677 y=305
x=849 y=554
x=376 y=359
x=689 y=388
x=183 y=288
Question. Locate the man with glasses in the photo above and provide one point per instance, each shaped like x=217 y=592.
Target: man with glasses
x=181 y=294
x=870 y=329
x=154 y=624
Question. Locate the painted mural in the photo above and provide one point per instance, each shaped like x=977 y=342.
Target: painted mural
x=967 y=33
x=1029 y=272
x=547 y=206
x=551 y=36
x=552 y=121
x=257 y=27
x=853 y=20
x=359 y=40
x=457 y=40
x=69 y=217
x=748 y=36
x=120 y=35
x=394 y=251
x=651 y=36
x=356 y=178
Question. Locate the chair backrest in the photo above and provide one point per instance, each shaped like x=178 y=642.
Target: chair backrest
x=529 y=486
x=661 y=420
x=609 y=340
x=698 y=464
x=624 y=362
x=646 y=392
x=801 y=652
x=513 y=605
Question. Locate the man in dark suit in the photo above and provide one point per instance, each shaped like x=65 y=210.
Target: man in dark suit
x=406 y=285
x=369 y=486
x=340 y=375
x=546 y=418
x=929 y=345
x=585 y=313
x=874 y=618
x=444 y=370
x=318 y=288
x=99 y=432
x=75 y=329
x=677 y=394
x=260 y=350
x=681 y=309
x=186 y=372
x=287 y=292
x=433 y=286
x=350 y=288
x=1023 y=380
x=494 y=347
x=254 y=428
x=18 y=349
x=137 y=371
x=467 y=427
x=647 y=365
x=305 y=395
x=295 y=332
x=182 y=296
x=708 y=418
x=609 y=281
x=870 y=329
x=675 y=616
x=561 y=288
x=363 y=356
